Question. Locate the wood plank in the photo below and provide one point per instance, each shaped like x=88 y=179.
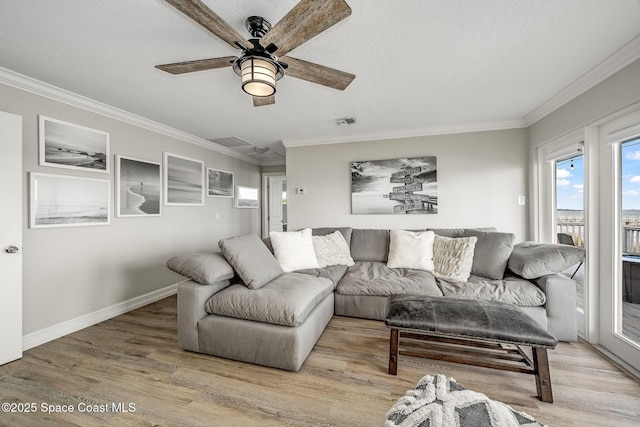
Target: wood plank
x=344 y=382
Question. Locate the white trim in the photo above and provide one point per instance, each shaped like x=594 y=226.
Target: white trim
x=51 y=333
x=28 y=84
x=408 y=133
x=623 y=57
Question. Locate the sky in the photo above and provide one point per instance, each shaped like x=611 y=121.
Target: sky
x=570 y=181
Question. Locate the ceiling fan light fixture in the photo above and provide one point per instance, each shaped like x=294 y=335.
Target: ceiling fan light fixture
x=259 y=76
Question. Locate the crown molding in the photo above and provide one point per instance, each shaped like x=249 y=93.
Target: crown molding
x=620 y=59
x=29 y=84
x=408 y=133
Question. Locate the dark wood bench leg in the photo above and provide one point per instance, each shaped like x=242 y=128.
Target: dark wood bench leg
x=543 y=374
x=393 y=352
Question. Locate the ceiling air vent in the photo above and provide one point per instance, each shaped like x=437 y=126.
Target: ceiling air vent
x=230 y=141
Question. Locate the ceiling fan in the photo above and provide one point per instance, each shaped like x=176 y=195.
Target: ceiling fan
x=262 y=61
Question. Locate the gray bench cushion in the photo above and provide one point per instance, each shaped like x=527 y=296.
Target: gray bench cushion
x=485 y=320
x=511 y=289
x=331 y=272
x=369 y=244
x=375 y=278
x=286 y=300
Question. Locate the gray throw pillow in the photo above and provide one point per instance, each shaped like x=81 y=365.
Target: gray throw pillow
x=492 y=253
x=251 y=259
x=532 y=260
x=203 y=268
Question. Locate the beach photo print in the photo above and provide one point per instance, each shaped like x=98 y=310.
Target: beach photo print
x=68 y=201
x=138 y=186
x=66 y=145
x=219 y=183
x=184 y=181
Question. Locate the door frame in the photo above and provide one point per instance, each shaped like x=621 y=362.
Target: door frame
x=265 y=200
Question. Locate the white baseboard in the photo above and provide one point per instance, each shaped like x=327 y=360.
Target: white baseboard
x=51 y=333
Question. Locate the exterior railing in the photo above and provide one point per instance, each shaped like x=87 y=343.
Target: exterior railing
x=575 y=229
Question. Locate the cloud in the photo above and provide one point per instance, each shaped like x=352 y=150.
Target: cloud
x=578 y=186
x=631 y=193
x=562 y=182
x=563 y=173
x=633 y=156
x=635 y=179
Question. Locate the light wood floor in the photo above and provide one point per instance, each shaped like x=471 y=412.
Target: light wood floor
x=134 y=358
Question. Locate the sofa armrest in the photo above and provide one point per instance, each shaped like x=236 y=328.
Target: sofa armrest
x=191 y=299
x=560 y=292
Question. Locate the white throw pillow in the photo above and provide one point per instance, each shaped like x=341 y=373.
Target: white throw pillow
x=453 y=257
x=332 y=249
x=411 y=249
x=294 y=249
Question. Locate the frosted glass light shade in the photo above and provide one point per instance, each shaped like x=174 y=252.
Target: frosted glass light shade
x=258 y=77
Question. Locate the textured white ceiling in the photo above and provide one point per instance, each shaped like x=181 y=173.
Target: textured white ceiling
x=419 y=64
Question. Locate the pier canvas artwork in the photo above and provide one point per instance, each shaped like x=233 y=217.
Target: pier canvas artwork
x=67 y=201
x=138 y=187
x=184 y=181
x=403 y=186
x=66 y=145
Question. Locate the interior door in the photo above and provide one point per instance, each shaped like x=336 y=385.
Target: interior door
x=10 y=237
x=275 y=203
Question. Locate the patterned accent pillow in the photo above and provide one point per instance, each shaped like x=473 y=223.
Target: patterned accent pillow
x=332 y=249
x=411 y=249
x=453 y=257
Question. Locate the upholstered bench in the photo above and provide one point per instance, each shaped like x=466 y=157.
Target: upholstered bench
x=481 y=333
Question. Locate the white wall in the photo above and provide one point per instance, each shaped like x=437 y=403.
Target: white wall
x=480 y=176
x=71 y=273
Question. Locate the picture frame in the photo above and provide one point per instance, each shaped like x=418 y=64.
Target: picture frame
x=247 y=197
x=68 y=201
x=404 y=186
x=183 y=181
x=70 y=146
x=220 y=183
x=138 y=187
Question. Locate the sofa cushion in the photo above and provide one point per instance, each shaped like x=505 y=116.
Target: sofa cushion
x=375 y=278
x=411 y=249
x=369 y=245
x=332 y=249
x=287 y=300
x=453 y=257
x=457 y=232
x=511 y=289
x=294 y=249
x=331 y=272
x=251 y=259
x=532 y=260
x=202 y=268
x=491 y=253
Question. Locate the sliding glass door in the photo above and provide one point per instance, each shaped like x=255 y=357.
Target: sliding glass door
x=620 y=238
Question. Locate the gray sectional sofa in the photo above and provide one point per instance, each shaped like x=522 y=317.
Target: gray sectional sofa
x=240 y=304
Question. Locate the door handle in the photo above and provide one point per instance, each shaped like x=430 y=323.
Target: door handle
x=11 y=249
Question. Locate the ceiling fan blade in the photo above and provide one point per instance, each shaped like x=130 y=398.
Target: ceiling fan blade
x=197 y=65
x=316 y=73
x=259 y=101
x=200 y=13
x=306 y=20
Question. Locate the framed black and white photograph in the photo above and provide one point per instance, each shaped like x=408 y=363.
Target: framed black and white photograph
x=247 y=197
x=395 y=186
x=219 y=183
x=68 y=201
x=183 y=181
x=71 y=146
x=138 y=187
